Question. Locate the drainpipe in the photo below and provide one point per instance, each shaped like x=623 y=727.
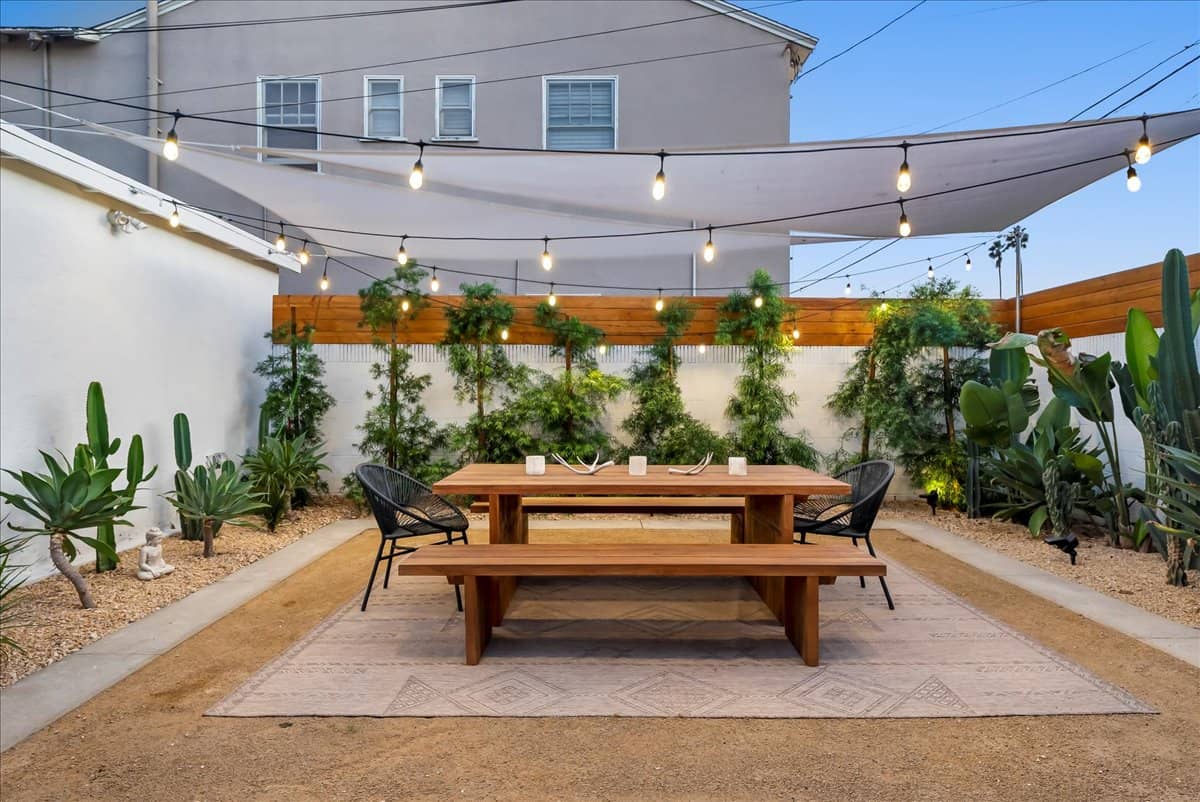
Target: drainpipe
x=47 y=95
x=152 y=87
x=693 y=263
x=516 y=276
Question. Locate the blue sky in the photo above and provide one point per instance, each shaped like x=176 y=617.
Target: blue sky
x=953 y=58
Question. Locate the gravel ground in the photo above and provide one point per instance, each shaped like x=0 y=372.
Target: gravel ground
x=59 y=626
x=1133 y=577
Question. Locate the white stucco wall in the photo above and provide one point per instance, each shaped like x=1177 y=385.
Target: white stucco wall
x=167 y=321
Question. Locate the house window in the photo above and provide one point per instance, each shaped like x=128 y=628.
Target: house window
x=292 y=103
x=383 y=107
x=581 y=113
x=456 y=107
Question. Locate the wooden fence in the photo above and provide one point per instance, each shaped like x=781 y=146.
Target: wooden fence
x=1093 y=306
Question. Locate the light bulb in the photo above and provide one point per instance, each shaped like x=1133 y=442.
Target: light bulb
x=504 y=334
x=710 y=250
x=659 y=190
x=1143 y=152
x=929 y=272
x=1132 y=182
x=904 y=179
x=434 y=284
x=170 y=148
x=968 y=264
x=302 y=254
x=552 y=299
x=281 y=240
x=174 y=218
x=883 y=307
x=758 y=301
x=402 y=256
x=324 y=282
x=700 y=349
x=602 y=348
x=405 y=305
x=658 y=302
x=795 y=332
x=547 y=259
x=847 y=286
x=417 y=177
x=905 y=228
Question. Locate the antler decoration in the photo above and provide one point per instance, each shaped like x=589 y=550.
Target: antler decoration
x=587 y=470
x=695 y=469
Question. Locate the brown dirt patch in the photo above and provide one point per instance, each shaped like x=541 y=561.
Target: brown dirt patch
x=58 y=626
x=1135 y=578
x=176 y=753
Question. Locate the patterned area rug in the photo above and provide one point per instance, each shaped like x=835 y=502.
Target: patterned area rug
x=671 y=647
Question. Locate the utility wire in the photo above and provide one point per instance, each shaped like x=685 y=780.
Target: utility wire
x=865 y=39
x=404 y=62
x=1134 y=80
x=1170 y=74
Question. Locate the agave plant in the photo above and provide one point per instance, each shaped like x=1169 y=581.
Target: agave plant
x=1179 y=499
x=12 y=575
x=278 y=468
x=214 y=496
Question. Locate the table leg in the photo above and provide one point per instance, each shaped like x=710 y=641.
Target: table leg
x=506 y=524
x=769 y=520
x=737 y=527
x=801 y=598
x=477 y=602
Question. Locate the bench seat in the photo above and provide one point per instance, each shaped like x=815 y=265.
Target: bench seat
x=801 y=566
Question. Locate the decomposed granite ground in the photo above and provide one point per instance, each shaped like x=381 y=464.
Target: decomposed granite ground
x=147 y=738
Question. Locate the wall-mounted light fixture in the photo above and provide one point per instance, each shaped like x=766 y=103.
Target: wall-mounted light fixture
x=119 y=222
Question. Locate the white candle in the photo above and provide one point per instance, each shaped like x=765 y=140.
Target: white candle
x=637 y=466
x=737 y=466
x=535 y=465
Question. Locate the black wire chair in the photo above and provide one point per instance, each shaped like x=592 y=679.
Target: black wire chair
x=403 y=508
x=849 y=516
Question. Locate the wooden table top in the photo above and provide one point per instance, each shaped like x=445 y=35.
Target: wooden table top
x=761 y=480
x=636 y=559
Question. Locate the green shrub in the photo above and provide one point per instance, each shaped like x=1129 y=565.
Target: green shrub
x=297 y=399
x=214 y=496
x=279 y=468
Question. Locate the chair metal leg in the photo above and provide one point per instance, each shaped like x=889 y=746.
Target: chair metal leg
x=887 y=594
x=374 y=569
x=862 y=581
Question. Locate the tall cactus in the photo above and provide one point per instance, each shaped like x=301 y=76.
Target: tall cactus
x=189 y=528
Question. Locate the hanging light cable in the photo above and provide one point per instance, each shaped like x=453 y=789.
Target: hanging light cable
x=552 y=299
x=434 y=284
x=417 y=177
x=710 y=250
x=968 y=261
x=281 y=240
x=170 y=148
x=547 y=259
x=174 y=218
x=904 y=177
x=1143 y=152
x=303 y=254
x=325 y=276
x=660 y=180
x=402 y=253
x=904 y=228
x=658 y=303
x=1132 y=182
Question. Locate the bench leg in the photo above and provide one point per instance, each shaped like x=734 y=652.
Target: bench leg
x=477 y=616
x=801 y=597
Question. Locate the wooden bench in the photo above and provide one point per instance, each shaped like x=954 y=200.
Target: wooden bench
x=801 y=566
x=735 y=508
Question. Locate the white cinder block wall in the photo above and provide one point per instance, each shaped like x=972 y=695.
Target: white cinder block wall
x=167 y=322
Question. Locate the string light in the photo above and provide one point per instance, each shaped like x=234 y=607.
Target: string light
x=1132 y=182
x=968 y=261
x=281 y=240
x=700 y=349
x=795 y=331
x=883 y=307
x=710 y=250
x=547 y=259
x=174 y=218
x=1143 y=152
x=434 y=284
x=405 y=305
x=658 y=303
x=170 y=148
x=758 y=301
x=929 y=272
x=847 y=284
x=904 y=177
x=402 y=253
x=303 y=254
x=660 y=180
x=417 y=177
x=504 y=333
x=602 y=348
x=552 y=299
x=904 y=228
x=325 y=276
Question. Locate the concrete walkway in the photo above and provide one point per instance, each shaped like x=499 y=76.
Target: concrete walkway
x=1177 y=640
x=54 y=691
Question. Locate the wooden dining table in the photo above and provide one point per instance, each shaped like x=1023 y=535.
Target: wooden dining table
x=770 y=492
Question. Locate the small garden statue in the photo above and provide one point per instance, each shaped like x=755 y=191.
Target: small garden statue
x=151 y=564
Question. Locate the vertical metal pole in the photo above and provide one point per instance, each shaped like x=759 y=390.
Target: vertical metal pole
x=693 y=263
x=152 y=87
x=47 y=96
x=516 y=276
x=1020 y=278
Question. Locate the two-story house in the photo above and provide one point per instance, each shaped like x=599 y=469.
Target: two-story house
x=579 y=74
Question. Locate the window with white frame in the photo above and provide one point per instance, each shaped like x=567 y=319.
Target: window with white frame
x=294 y=104
x=581 y=113
x=383 y=107
x=456 y=107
